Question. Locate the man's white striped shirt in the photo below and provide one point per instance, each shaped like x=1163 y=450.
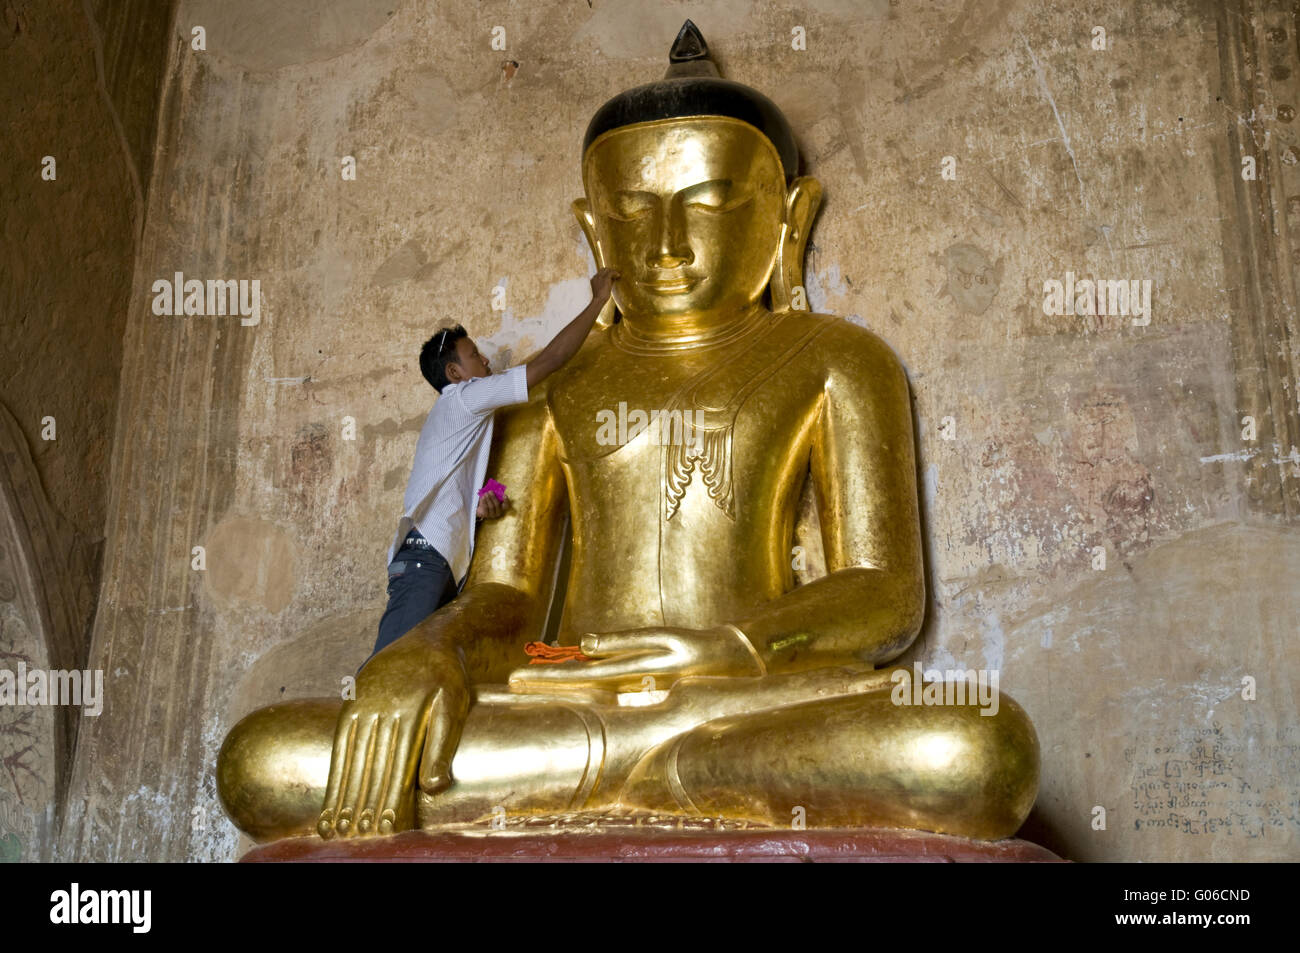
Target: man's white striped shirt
x=451 y=460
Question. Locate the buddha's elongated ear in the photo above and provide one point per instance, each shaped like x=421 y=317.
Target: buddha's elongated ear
x=802 y=201
x=587 y=222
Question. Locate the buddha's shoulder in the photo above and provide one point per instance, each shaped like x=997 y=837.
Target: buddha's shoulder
x=838 y=344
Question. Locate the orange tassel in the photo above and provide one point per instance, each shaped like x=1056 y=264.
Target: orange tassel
x=543 y=654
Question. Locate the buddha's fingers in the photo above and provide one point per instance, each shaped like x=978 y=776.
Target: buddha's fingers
x=394 y=803
x=619 y=673
x=446 y=719
x=362 y=756
x=340 y=761
x=602 y=644
x=385 y=740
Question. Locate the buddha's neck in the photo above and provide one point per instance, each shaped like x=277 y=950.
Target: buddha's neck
x=687 y=331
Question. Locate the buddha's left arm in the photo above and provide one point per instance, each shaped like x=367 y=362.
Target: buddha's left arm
x=870 y=604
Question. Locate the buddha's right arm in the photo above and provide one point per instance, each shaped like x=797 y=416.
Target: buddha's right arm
x=487 y=625
x=504 y=601
x=403 y=727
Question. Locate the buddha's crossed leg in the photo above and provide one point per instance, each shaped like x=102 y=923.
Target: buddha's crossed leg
x=839 y=752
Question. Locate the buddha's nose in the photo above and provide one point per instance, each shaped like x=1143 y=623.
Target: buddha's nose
x=672 y=250
x=677 y=258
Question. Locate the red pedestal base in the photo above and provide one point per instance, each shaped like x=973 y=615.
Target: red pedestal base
x=611 y=846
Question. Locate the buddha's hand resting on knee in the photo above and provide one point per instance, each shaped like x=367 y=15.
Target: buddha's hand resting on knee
x=650 y=657
x=402 y=729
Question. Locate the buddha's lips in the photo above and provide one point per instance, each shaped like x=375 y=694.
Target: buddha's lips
x=671 y=286
x=543 y=654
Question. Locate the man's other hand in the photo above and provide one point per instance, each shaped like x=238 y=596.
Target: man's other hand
x=489 y=507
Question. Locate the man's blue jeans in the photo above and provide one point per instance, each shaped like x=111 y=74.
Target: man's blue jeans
x=419 y=583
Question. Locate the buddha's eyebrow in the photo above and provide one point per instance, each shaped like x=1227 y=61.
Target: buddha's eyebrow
x=708 y=184
x=702 y=186
x=720 y=194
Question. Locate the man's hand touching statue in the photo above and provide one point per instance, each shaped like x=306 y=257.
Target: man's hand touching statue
x=490 y=506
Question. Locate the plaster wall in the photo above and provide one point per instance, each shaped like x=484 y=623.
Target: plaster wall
x=80 y=83
x=1043 y=440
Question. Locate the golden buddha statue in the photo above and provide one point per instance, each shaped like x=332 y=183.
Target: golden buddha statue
x=714 y=686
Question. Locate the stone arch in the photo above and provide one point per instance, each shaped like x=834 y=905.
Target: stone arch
x=45 y=604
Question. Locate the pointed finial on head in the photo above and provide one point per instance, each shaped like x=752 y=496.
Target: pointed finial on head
x=689 y=44
x=693 y=86
x=689 y=55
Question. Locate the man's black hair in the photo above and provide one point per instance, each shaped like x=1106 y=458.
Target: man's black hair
x=437 y=352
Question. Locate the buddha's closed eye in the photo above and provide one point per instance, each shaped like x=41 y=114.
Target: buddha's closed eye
x=627 y=205
x=715 y=195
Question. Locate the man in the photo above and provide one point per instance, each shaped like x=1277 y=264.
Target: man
x=430 y=554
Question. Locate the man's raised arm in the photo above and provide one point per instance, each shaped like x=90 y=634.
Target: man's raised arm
x=565 y=344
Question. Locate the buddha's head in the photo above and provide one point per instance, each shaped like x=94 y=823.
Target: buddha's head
x=692 y=193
